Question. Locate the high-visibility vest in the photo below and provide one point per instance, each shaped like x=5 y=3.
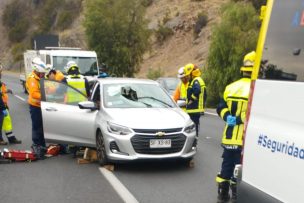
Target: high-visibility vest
x=78 y=82
x=235 y=103
x=200 y=104
x=33 y=87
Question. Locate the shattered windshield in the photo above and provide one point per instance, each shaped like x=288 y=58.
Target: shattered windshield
x=135 y=95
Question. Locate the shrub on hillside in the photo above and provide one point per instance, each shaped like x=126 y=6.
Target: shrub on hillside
x=162 y=33
x=147 y=3
x=202 y=20
x=231 y=40
x=18 y=32
x=65 y=19
x=154 y=74
x=17 y=51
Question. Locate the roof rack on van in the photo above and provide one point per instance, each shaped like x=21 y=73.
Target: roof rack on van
x=63 y=48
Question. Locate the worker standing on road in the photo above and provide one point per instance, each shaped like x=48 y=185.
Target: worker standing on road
x=76 y=80
x=196 y=94
x=180 y=92
x=232 y=109
x=7 y=125
x=3 y=113
x=53 y=74
x=34 y=100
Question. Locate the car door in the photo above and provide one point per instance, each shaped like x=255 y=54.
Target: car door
x=64 y=121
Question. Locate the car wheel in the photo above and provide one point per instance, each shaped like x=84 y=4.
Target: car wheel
x=101 y=150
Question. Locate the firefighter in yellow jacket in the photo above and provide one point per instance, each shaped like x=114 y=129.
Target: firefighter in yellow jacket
x=196 y=95
x=232 y=109
x=7 y=125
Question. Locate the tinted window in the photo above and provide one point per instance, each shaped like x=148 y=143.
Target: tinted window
x=61 y=93
x=283 y=57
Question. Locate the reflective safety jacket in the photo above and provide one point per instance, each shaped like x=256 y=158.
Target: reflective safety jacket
x=3 y=93
x=196 y=96
x=78 y=82
x=33 y=87
x=234 y=103
x=181 y=92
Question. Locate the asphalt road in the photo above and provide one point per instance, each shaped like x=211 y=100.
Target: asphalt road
x=61 y=179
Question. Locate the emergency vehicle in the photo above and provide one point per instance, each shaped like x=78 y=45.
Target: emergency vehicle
x=273 y=155
x=58 y=58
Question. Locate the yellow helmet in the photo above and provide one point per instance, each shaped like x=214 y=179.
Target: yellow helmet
x=248 y=62
x=188 y=69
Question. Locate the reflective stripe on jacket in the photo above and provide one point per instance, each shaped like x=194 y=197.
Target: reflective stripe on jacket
x=195 y=93
x=33 y=87
x=234 y=103
x=78 y=82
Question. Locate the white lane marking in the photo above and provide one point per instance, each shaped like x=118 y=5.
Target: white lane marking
x=19 y=97
x=122 y=191
x=213 y=114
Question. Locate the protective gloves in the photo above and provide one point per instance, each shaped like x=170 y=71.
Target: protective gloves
x=231 y=120
x=5 y=113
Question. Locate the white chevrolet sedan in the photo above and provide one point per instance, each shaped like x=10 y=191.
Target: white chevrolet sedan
x=125 y=119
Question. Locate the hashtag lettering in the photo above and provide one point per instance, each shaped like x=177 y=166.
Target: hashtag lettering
x=260 y=139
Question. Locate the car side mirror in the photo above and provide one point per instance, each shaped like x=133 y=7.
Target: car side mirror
x=181 y=103
x=87 y=105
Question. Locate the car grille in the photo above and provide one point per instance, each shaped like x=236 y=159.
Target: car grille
x=154 y=131
x=141 y=143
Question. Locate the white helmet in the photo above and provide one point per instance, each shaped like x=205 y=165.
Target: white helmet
x=38 y=65
x=71 y=65
x=181 y=72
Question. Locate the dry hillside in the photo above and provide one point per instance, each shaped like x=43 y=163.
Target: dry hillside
x=180 y=48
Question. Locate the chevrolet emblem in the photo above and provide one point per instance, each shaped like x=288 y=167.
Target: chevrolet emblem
x=160 y=134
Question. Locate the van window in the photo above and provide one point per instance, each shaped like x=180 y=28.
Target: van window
x=48 y=59
x=283 y=54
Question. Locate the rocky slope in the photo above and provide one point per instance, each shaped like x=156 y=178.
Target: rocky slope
x=180 y=48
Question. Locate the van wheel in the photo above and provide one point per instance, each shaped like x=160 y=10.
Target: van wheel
x=101 y=149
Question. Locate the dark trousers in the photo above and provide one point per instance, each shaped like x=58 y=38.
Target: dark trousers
x=195 y=117
x=230 y=159
x=37 y=126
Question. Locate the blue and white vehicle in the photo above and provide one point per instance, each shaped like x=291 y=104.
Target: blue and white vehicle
x=273 y=157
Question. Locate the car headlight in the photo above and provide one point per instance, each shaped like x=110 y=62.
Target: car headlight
x=190 y=128
x=118 y=129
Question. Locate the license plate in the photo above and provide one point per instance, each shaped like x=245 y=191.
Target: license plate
x=160 y=143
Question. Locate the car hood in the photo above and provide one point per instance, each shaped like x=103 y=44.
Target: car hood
x=148 y=118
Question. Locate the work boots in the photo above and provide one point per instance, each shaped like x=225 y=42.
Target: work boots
x=39 y=151
x=233 y=192
x=13 y=140
x=223 y=192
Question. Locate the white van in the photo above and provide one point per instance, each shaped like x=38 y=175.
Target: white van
x=272 y=167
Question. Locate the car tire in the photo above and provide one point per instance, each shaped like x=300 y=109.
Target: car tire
x=101 y=149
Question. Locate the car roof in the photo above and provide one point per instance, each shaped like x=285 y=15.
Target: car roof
x=110 y=80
